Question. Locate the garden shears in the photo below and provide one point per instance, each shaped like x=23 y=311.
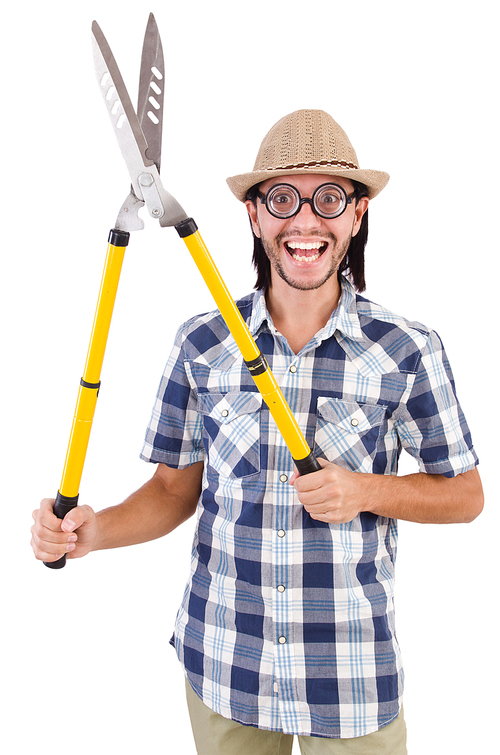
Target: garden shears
x=139 y=135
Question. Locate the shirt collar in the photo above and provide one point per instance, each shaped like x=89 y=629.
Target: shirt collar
x=259 y=314
x=344 y=319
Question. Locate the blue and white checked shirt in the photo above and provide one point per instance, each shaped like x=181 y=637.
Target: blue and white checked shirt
x=287 y=623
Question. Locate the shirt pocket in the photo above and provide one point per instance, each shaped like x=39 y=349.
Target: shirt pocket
x=347 y=433
x=231 y=424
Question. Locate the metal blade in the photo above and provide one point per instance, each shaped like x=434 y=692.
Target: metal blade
x=123 y=118
x=146 y=182
x=151 y=91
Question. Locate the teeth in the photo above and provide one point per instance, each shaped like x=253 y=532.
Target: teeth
x=303 y=245
x=311 y=257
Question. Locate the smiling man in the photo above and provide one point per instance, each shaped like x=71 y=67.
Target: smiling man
x=314 y=232
x=287 y=624
x=305 y=241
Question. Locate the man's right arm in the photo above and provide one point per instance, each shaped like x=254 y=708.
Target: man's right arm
x=158 y=507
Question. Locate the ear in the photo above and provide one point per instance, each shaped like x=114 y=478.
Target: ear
x=252 y=212
x=359 y=211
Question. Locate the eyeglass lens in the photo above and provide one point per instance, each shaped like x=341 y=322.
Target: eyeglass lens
x=328 y=201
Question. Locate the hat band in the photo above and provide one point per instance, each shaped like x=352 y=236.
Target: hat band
x=315 y=164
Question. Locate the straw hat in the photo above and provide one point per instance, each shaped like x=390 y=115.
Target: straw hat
x=305 y=142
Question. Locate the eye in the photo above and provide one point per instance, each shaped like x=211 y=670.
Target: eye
x=282 y=200
x=330 y=200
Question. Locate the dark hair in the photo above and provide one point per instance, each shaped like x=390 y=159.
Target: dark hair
x=353 y=264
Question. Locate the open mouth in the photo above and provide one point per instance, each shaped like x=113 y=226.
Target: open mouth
x=305 y=251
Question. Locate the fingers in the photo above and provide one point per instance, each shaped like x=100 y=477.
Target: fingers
x=311 y=485
x=49 y=543
x=51 y=537
x=76 y=518
x=325 y=494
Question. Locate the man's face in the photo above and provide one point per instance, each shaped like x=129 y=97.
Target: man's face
x=306 y=249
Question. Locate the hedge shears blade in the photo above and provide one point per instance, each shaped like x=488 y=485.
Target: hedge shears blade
x=152 y=91
x=142 y=156
x=139 y=137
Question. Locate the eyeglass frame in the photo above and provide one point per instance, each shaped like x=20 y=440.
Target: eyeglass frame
x=309 y=200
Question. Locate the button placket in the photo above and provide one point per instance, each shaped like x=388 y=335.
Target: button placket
x=284 y=502
x=281 y=607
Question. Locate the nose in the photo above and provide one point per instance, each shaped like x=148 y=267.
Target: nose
x=306 y=217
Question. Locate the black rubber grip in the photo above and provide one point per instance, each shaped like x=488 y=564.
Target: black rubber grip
x=186 y=228
x=62 y=505
x=307 y=465
x=118 y=238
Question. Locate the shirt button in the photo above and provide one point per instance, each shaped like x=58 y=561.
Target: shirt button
x=354 y=422
x=224 y=412
x=282 y=640
x=293 y=369
x=283 y=478
x=281 y=533
x=281 y=588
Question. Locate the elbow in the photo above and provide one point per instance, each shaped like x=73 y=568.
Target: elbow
x=475 y=498
x=474 y=509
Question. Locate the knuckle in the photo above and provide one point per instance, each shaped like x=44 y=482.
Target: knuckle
x=49 y=558
x=333 y=491
x=38 y=553
x=35 y=540
x=47 y=504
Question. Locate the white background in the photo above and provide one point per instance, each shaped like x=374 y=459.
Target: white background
x=86 y=662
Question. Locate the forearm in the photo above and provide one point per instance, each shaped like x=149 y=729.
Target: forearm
x=138 y=519
x=157 y=508
x=424 y=498
x=337 y=495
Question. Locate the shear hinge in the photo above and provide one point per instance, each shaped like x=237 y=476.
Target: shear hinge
x=151 y=195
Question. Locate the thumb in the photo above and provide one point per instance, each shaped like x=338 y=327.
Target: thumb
x=323 y=463
x=76 y=518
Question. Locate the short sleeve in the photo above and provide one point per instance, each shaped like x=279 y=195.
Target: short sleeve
x=174 y=434
x=431 y=425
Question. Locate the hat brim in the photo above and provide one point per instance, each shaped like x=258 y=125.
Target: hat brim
x=374 y=180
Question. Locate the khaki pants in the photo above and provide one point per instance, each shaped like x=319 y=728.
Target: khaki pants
x=216 y=735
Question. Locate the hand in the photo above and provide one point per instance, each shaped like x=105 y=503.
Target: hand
x=52 y=538
x=333 y=494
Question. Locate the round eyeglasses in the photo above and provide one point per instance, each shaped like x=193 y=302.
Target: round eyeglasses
x=328 y=201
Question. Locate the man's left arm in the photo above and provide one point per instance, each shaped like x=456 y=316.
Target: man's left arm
x=337 y=495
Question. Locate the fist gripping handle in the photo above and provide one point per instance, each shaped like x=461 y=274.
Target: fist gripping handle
x=62 y=505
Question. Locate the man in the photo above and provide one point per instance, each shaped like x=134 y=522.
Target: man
x=287 y=624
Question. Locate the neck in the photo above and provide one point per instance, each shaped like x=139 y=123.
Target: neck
x=299 y=315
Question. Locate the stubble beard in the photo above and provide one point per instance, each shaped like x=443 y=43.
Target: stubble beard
x=337 y=255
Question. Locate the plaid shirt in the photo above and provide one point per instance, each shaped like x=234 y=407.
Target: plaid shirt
x=287 y=623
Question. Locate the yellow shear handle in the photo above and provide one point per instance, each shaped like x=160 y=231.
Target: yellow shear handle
x=255 y=361
x=90 y=382
x=67 y=495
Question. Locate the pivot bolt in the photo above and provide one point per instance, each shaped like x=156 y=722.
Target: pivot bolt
x=146 y=179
